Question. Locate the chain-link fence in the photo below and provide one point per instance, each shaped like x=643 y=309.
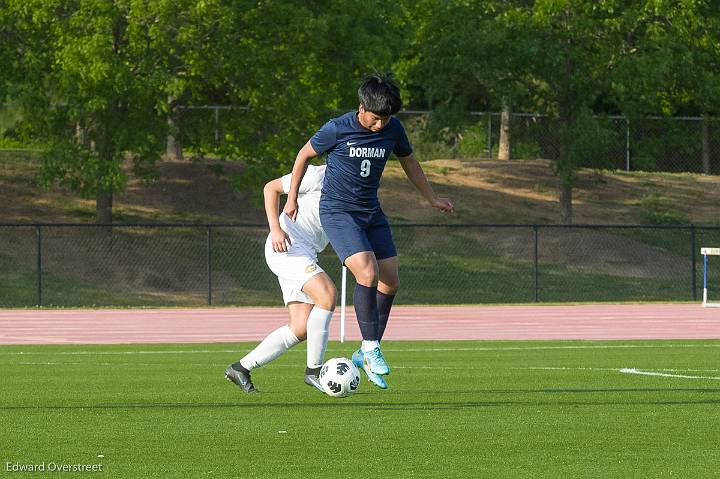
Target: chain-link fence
x=655 y=144
x=181 y=265
x=205 y=128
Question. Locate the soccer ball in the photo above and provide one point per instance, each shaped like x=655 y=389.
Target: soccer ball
x=339 y=377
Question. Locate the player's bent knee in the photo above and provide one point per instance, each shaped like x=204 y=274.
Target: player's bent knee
x=322 y=291
x=389 y=289
x=367 y=277
x=389 y=286
x=326 y=302
x=327 y=299
x=327 y=306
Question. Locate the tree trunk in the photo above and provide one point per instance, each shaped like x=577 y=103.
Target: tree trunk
x=569 y=101
x=565 y=168
x=504 y=149
x=173 y=147
x=566 y=212
x=103 y=198
x=705 y=145
x=80 y=134
x=103 y=204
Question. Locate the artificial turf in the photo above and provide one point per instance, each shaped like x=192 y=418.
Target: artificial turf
x=454 y=409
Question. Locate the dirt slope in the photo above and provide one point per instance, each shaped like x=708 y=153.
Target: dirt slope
x=516 y=192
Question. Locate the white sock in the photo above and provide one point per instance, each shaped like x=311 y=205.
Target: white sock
x=369 y=345
x=318 y=330
x=274 y=344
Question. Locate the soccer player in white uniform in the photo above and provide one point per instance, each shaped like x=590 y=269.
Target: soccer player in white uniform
x=291 y=253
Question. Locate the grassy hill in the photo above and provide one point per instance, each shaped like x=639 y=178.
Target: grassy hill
x=515 y=192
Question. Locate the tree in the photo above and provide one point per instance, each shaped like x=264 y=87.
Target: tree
x=547 y=56
x=673 y=63
x=9 y=34
x=631 y=56
x=573 y=60
x=460 y=60
x=105 y=69
x=296 y=64
x=575 y=44
x=87 y=80
x=190 y=48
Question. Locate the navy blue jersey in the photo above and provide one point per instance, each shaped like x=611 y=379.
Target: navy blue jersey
x=356 y=159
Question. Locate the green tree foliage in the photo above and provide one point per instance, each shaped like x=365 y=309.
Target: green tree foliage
x=672 y=59
x=101 y=81
x=576 y=42
x=113 y=74
x=546 y=56
x=467 y=55
x=97 y=76
x=570 y=59
x=296 y=64
x=91 y=95
x=9 y=35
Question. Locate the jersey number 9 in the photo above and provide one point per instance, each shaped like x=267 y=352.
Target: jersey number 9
x=365 y=168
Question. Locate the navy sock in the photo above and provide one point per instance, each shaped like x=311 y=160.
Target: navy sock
x=366 y=310
x=384 y=302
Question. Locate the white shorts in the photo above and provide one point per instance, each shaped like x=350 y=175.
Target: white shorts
x=293 y=268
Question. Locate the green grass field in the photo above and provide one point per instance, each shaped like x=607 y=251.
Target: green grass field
x=455 y=409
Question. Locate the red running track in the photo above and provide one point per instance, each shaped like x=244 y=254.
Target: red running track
x=597 y=321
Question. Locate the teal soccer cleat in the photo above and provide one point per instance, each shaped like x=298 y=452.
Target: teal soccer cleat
x=358 y=359
x=375 y=361
x=376 y=379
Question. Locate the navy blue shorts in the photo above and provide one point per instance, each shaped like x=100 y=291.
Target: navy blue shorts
x=351 y=233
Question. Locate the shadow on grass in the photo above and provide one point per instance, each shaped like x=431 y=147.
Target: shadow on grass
x=574 y=391
x=417 y=405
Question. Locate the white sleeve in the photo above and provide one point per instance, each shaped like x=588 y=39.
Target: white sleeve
x=312 y=181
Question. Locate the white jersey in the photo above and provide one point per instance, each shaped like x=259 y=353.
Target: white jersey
x=306 y=230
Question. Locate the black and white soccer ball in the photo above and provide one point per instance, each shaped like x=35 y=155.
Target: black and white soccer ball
x=339 y=377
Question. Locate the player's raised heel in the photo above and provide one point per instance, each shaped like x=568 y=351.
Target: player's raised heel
x=376 y=362
x=241 y=379
x=358 y=358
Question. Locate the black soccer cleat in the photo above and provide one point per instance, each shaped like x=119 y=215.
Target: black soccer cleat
x=241 y=379
x=312 y=378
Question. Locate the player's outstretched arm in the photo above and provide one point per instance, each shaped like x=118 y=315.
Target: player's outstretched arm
x=301 y=161
x=271 y=193
x=415 y=173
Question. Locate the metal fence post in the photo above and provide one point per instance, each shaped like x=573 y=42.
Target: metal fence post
x=38 y=231
x=217 y=126
x=489 y=136
x=627 y=144
x=693 y=243
x=209 y=264
x=535 y=263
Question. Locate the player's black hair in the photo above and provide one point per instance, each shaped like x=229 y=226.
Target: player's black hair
x=380 y=94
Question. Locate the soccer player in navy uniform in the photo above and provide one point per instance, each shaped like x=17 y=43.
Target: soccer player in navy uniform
x=358 y=144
